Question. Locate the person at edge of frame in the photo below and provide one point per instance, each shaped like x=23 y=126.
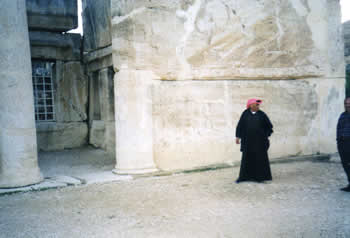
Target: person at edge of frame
x=343 y=140
x=252 y=132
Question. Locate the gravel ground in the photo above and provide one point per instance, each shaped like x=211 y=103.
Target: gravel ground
x=303 y=200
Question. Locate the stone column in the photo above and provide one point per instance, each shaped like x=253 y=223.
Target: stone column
x=18 y=146
x=133 y=115
x=107 y=108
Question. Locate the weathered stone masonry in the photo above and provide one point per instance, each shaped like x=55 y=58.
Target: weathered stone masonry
x=160 y=84
x=99 y=68
x=188 y=68
x=52 y=46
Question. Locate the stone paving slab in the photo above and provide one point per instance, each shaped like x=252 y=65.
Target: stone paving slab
x=65 y=181
x=44 y=185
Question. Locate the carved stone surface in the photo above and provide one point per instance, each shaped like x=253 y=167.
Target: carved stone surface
x=72 y=89
x=227 y=39
x=200 y=60
x=52 y=15
x=194 y=122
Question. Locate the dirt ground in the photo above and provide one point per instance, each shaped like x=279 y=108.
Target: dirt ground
x=303 y=200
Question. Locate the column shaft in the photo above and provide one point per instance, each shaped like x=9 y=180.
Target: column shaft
x=18 y=146
x=133 y=115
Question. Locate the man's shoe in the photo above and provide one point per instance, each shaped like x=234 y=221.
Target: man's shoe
x=346 y=189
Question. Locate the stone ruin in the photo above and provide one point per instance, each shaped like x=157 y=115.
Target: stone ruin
x=161 y=84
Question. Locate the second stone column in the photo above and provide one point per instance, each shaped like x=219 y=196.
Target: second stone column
x=133 y=115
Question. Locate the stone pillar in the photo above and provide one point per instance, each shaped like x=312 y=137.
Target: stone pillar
x=107 y=108
x=18 y=146
x=133 y=115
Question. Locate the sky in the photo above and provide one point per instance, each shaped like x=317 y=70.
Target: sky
x=80 y=22
x=345 y=10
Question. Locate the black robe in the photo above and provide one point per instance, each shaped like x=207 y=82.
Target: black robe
x=254 y=130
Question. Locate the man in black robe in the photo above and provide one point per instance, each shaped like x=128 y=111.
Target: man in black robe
x=252 y=132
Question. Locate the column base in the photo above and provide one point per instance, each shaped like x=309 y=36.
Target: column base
x=134 y=171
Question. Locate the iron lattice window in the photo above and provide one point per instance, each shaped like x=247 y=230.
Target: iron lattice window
x=43 y=88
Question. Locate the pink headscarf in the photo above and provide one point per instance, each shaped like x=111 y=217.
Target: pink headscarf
x=252 y=101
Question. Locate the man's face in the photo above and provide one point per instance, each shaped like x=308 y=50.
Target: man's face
x=255 y=107
x=347 y=104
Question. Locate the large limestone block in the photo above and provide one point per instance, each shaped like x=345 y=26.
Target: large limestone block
x=194 y=121
x=72 y=89
x=335 y=43
x=53 y=45
x=52 y=15
x=211 y=39
x=18 y=152
x=68 y=40
x=96 y=24
x=60 y=136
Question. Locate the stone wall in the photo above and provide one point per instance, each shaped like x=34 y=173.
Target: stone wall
x=224 y=39
x=48 y=21
x=70 y=129
x=99 y=65
x=186 y=68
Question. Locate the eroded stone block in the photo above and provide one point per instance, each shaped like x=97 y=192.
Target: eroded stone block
x=226 y=39
x=194 y=122
x=97 y=24
x=59 y=136
x=72 y=93
x=52 y=15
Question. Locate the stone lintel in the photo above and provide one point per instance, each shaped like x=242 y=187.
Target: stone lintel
x=58 y=15
x=98 y=59
x=42 y=38
x=52 y=23
x=49 y=45
x=97 y=54
x=54 y=53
